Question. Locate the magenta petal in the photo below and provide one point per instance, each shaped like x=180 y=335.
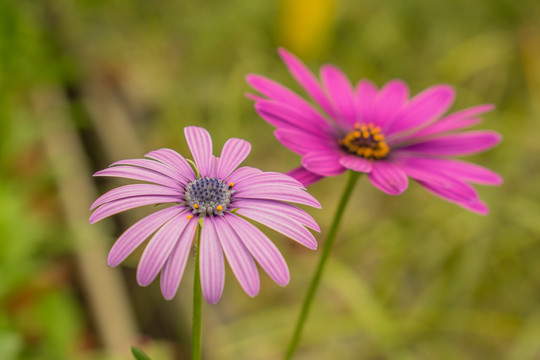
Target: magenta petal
x=159 y=249
x=138 y=173
x=238 y=257
x=135 y=190
x=283 y=225
x=212 y=264
x=390 y=100
x=307 y=80
x=366 y=93
x=302 y=143
x=263 y=250
x=173 y=270
x=200 y=145
x=116 y=206
x=234 y=152
x=466 y=143
x=138 y=232
x=175 y=161
x=388 y=177
x=282 y=115
x=460 y=193
x=341 y=93
x=323 y=163
x=278 y=208
x=304 y=176
x=424 y=108
x=356 y=163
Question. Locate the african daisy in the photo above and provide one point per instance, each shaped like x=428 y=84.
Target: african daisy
x=221 y=198
x=380 y=132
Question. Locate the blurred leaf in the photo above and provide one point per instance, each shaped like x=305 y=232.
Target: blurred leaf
x=138 y=354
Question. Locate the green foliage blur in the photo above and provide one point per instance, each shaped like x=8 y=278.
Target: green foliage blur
x=411 y=277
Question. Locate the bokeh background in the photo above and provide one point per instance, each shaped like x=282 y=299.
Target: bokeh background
x=85 y=83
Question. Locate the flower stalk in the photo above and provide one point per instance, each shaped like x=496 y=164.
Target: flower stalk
x=197 y=304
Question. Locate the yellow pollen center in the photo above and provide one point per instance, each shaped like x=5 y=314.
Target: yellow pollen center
x=366 y=141
x=219 y=208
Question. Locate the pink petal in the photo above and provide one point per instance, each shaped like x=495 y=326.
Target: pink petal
x=173 y=270
x=341 y=93
x=466 y=143
x=159 y=249
x=138 y=232
x=278 y=192
x=462 y=194
x=116 y=206
x=212 y=265
x=239 y=258
x=152 y=165
x=388 y=177
x=356 y=163
x=200 y=144
x=366 y=95
x=137 y=173
x=135 y=190
x=282 y=115
x=389 y=102
x=242 y=174
x=323 y=163
x=423 y=108
x=234 y=152
x=279 y=208
x=302 y=142
x=262 y=249
x=281 y=224
x=307 y=80
x=175 y=161
x=267 y=178
x=254 y=97
x=304 y=176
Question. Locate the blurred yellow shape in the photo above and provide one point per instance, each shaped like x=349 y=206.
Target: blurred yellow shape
x=304 y=26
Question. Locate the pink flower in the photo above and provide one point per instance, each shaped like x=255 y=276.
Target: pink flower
x=379 y=132
x=217 y=195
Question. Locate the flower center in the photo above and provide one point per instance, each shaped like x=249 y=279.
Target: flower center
x=208 y=196
x=366 y=141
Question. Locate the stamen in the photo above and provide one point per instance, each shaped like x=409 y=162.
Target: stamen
x=365 y=141
x=208 y=196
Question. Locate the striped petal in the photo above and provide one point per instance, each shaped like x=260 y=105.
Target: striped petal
x=138 y=173
x=302 y=143
x=388 y=178
x=389 y=102
x=200 y=144
x=234 y=152
x=341 y=93
x=304 y=176
x=116 y=206
x=135 y=190
x=356 y=163
x=263 y=250
x=212 y=265
x=466 y=143
x=175 y=161
x=151 y=165
x=238 y=257
x=138 y=232
x=323 y=163
x=366 y=94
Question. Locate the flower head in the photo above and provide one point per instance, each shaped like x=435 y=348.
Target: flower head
x=220 y=196
x=380 y=132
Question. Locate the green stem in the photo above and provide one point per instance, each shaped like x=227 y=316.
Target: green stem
x=197 y=305
x=327 y=247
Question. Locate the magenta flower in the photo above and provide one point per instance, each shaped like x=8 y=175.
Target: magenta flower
x=217 y=195
x=379 y=132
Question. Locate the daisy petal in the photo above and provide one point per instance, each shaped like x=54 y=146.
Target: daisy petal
x=423 y=108
x=138 y=173
x=466 y=143
x=283 y=225
x=302 y=143
x=323 y=163
x=233 y=153
x=307 y=80
x=175 y=161
x=341 y=93
x=138 y=232
x=159 y=249
x=116 y=206
x=460 y=193
x=390 y=100
x=135 y=190
x=240 y=260
x=388 y=178
x=278 y=192
x=151 y=165
x=263 y=250
x=200 y=144
x=366 y=94
x=212 y=265
x=304 y=176
x=173 y=270
x=356 y=163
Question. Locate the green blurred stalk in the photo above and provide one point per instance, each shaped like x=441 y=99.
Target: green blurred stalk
x=327 y=248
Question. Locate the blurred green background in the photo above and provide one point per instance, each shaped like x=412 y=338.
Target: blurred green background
x=85 y=83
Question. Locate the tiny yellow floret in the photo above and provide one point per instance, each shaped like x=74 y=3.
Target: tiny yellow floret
x=219 y=208
x=231 y=184
x=195 y=206
x=189 y=216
